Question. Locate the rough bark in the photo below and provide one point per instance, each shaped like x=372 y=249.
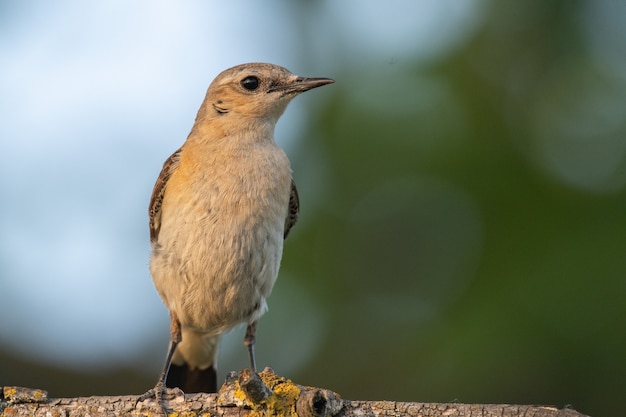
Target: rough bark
x=251 y=395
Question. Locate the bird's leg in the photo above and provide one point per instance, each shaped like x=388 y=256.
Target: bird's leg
x=160 y=387
x=249 y=340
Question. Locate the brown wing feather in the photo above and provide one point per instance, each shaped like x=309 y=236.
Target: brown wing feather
x=154 y=210
x=294 y=209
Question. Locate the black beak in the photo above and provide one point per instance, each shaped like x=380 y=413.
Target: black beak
x=300 y=84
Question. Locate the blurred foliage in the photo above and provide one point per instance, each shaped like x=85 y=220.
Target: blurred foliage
x=455 y=262
x=462 y=222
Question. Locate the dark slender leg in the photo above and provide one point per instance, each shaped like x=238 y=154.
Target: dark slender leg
x=166 y=368
x=249 y=340
x=175 y=338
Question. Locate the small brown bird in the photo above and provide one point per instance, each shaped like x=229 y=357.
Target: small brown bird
x=220 y=210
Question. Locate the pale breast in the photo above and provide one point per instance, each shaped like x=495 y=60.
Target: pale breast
x=221 y=238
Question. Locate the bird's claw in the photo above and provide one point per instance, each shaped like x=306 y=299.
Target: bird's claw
x=160 y=392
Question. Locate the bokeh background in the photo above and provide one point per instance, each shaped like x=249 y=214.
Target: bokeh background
x=463 y=193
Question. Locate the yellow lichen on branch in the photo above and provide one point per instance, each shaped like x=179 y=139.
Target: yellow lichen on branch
x=278 y=400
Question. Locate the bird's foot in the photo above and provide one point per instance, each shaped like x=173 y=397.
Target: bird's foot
x=160 y=392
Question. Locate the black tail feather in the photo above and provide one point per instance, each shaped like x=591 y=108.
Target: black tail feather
x=192 y=380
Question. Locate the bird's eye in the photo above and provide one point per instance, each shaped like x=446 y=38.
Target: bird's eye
x=250 y=83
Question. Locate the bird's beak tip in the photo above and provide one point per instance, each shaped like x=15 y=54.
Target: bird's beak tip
x=321 y=81
x=305 y=83
x=301 y=84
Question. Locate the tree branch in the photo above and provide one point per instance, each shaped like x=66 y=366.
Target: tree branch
x=253 y=395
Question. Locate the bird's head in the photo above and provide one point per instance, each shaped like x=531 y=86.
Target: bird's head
x=254 y=92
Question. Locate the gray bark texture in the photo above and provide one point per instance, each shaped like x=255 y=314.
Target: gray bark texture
x=251 y=395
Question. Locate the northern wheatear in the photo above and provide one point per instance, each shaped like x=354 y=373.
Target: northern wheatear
x=219 y=212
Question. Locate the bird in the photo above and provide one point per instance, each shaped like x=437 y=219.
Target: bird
x=219 y=212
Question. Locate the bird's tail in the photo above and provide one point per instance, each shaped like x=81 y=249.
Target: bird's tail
x=193 y=368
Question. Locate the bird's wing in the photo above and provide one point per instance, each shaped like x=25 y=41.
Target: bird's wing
x=294 y=208
x=154 y=210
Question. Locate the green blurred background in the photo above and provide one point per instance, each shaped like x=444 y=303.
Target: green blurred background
x=462 y=223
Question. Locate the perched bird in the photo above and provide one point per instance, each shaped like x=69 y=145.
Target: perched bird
x=219 y=212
